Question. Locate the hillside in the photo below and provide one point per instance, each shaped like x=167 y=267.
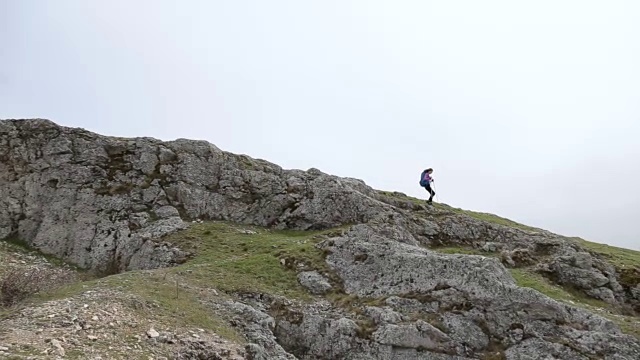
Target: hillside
x=179 y=250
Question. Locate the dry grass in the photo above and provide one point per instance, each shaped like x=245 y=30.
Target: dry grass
x=20 y=282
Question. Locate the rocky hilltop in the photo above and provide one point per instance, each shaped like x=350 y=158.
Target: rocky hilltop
x=298 y=264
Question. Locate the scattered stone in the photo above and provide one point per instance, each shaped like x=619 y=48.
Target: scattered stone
x=59 y=350
x=314 y=282
x=247 y=232
x=384 y=315
x=166 y=212
x=491 y=247
x=152 y=333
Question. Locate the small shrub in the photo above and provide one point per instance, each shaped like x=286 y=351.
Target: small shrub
x=19 y=283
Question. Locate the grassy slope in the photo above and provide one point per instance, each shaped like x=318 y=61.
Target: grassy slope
x=231 y=259
x=528 y=278
x=627 y=261
x=619 y=257
x=474 y=214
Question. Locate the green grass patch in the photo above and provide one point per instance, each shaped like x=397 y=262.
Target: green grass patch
x=619 y=257
x=628 y=325
x=395 y=195
x=230 y=259
x=527 y=278
x=67 y=290
x=398 y=196
x=491 y=218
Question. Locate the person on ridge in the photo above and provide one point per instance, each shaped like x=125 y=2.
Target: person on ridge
x=425 y=182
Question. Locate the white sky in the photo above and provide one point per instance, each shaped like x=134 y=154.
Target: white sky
x=530 y=110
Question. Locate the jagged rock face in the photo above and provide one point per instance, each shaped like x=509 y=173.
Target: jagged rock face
x=472 y=298
x=106 y=203
x=100 y=201
x=554 y=256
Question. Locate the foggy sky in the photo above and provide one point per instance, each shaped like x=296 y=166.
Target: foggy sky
x=526 y=110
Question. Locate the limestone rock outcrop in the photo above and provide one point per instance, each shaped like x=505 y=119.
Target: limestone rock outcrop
x=98 y=201
x=107 y=203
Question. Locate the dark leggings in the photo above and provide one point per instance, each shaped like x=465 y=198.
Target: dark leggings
x=430 y=190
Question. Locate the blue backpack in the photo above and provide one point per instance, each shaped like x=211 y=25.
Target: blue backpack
x=423 y=181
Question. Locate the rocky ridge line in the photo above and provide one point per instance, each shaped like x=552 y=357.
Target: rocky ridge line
x=105 y=203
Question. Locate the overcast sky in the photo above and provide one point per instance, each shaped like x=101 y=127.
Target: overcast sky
x=530 y=110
